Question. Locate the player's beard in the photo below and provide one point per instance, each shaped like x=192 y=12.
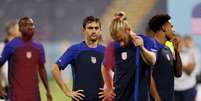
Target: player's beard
x=169 y=37
x=94 y=38
x=27 y=35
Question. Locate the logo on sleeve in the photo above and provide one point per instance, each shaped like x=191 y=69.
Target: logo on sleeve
x=124 y=55
x=93 y=60
x=168 y=57
x=28 y=54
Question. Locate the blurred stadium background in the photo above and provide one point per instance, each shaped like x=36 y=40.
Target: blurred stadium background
x=59 y=22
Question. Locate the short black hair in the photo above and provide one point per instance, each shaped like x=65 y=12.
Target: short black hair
x=23 y=18
x=90 y=19
x=157 y=21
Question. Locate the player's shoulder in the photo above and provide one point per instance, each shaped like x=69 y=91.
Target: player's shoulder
x=37 y=44
x=77 y=46
x=101 y=46
x=146 y=37
x=14 y=43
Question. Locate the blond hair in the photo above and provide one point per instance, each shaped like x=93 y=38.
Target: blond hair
x=10 y=24
x=118 y=25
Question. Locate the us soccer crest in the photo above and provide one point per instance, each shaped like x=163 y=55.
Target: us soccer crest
x=28 y=54
x=124 y=55
x=93 y=60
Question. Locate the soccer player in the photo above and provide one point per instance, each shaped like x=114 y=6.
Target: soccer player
x=26 y=60
x=12 y=31
x=85 y=59
x=130 y=57
x=167 y=65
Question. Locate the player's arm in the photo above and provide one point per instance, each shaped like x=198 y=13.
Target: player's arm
x=2 y=93
x=108 y=91
x=56 y=73
x=177 y=62
x=77 y=95
x=43 y=76
x=106 y=68
x=188 y=68
x=178 y=65
x=148 y=56
x=107 y=77
x=153 y=90
x=6 y=53
x=61 y=64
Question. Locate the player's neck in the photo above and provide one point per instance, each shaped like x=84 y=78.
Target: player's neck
x=26 y=39
x=159 y=36
x=91 y=44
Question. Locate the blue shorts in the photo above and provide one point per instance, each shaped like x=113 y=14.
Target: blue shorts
x=186 y=95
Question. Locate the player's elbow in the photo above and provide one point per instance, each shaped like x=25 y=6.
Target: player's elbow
x=105 y=71
x=151 y=60
x=54 y=69
x=178 y=74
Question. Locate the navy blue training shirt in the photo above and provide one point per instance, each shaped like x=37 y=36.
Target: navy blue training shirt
x=86 y=68
x=122 y=60
x=163 y=73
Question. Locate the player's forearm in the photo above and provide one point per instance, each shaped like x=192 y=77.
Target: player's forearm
x=148 y=56
x=43 y=76
x=1 y=90
x=58 y=78
x=107 y=77
x=1 y=87
x=189 y=68
x=178 y=64
x=153 y=89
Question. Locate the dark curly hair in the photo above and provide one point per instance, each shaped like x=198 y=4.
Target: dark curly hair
x=156 y=22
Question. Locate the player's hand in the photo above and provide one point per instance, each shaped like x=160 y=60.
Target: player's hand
x=2 y=92
x=157 y=98
x=175 y=42
x=106 y=94
x=76 y=95
x=49 y=96
x=137 y=40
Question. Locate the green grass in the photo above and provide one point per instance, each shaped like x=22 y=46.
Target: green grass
x=55 y=90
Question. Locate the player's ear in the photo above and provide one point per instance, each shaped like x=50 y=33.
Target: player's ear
x=83 y=29
x=163 y=28
x=20 y=29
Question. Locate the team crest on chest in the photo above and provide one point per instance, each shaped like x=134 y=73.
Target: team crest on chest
x=124 y=55
x=93 y=60
x=28 y=54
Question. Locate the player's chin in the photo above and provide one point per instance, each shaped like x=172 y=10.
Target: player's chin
x=94 y=39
